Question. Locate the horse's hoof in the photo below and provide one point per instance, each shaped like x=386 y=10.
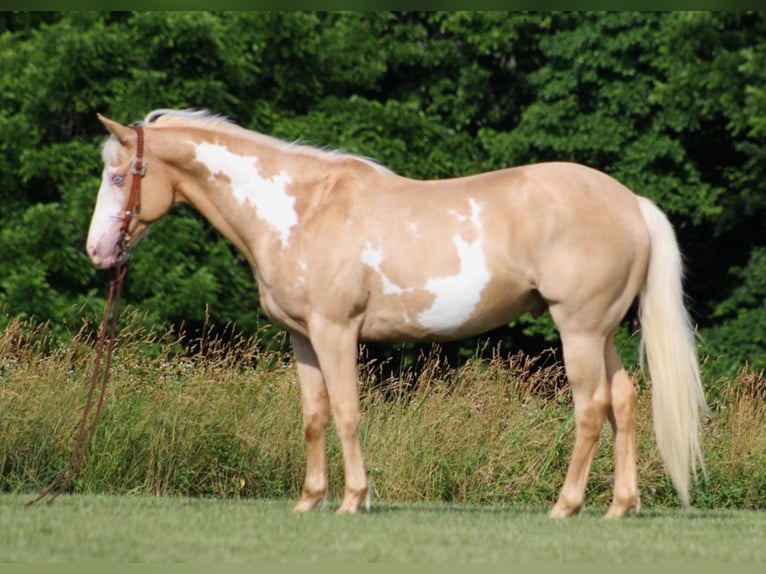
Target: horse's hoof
x=353 y=500
x=561 y=510
x=307 y=502
x=618 y=510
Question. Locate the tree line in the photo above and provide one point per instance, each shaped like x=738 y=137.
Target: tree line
x=672 y=104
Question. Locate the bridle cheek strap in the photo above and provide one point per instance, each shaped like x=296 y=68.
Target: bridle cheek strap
x=133 y=206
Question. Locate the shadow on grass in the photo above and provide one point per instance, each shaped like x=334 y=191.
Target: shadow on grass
x=589 y=512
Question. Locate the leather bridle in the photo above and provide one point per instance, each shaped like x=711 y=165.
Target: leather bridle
x=133 y=205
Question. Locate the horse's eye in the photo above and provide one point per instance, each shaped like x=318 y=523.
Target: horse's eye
x=118 y=179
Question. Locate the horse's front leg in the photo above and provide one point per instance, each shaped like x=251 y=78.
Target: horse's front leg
x=316 y=414
x=336 y=349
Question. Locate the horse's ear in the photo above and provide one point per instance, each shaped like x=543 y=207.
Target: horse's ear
x=122 y=133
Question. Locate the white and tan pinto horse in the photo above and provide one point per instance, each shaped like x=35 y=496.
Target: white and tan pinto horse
x=343 y=250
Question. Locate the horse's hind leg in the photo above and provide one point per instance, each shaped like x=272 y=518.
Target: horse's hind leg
x=586 y=371
x=622 y=418
x=316 y=415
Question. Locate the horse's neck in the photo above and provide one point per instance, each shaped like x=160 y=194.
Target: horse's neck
x=241 y=187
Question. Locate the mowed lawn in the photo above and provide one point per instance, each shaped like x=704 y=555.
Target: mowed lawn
x=144 y=529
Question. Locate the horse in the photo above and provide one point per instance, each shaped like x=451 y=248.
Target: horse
x=344 y=250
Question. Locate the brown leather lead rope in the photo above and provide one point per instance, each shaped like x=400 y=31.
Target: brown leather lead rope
x=106 y=340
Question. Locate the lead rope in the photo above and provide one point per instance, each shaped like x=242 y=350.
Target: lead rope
x=106 y=340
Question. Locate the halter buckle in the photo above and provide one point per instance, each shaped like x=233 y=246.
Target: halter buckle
x=139 y=167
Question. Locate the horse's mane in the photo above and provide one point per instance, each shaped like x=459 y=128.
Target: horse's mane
x=208 y=120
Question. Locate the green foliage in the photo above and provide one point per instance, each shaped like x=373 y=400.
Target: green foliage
x=740 y=335
x=670 y=103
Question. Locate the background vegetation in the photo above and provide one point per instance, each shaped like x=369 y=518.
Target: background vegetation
x=673 y=104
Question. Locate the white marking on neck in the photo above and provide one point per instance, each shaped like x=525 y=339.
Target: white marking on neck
x=268 y=195
x=458 y=295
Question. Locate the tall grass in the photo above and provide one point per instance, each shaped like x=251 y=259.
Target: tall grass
x=224 y=420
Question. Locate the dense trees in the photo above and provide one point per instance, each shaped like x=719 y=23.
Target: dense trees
x=673 y=104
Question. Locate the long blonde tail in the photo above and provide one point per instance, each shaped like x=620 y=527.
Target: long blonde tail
x=678 y=399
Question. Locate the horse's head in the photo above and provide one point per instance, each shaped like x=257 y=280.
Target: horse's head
x=135 y=191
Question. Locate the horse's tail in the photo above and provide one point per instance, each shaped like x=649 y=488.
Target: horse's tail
x=668 y=344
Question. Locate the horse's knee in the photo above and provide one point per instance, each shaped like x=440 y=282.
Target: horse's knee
x=347 y=421
x=314 y=425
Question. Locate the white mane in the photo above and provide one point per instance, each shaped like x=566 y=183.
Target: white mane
x=204 y=118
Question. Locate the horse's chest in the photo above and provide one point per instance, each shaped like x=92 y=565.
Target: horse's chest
x=284 y=303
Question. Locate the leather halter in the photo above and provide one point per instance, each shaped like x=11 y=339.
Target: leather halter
x=133 y=205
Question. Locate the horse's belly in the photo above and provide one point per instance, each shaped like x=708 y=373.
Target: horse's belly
x=446 y=312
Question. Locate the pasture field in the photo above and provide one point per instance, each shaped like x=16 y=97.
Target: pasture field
x=181 y=529
x=199 y=456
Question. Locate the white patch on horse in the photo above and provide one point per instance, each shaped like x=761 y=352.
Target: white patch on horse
x=268 y=195
x=110 y=203
x=458 y=295
x=103 y=233
x=373 y=258
x=300 y=280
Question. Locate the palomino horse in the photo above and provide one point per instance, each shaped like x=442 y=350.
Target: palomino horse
x=344 y=250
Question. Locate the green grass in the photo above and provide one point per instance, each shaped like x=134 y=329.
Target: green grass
x=162 y=529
